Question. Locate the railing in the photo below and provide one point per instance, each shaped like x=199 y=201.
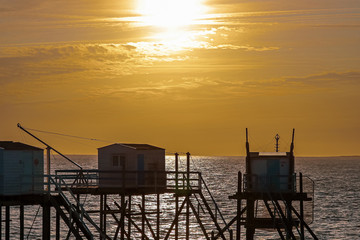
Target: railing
x=167 y=180
x=272 y=183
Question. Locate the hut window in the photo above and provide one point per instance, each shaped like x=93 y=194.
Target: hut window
x=118 y=161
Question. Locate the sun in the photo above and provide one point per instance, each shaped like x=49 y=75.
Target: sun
x=170 y=13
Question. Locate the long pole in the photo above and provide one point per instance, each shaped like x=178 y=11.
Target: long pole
x=47 y=145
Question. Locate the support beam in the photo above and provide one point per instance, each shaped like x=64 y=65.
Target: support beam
x=46 y=226
x=238 y=226
x=7 y=222
x=142 y=218
x=129 y=218
x=21 y=222
x=158 y=216
x=57 y=226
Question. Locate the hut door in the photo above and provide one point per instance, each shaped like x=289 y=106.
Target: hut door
x=27 y=178
x=273 y=172
x=140 y=168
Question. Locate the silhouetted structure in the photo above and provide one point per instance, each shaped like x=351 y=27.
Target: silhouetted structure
x=270 y=179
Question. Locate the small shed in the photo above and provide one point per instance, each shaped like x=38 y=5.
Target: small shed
x=131 y=165
x=270 y=171
x=21 y=169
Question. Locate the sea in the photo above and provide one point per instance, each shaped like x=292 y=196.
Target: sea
x=336 y=206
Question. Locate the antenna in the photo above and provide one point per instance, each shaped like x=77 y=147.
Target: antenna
x=277 y=137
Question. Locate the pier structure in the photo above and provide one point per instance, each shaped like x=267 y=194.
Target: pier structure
x=271 y=196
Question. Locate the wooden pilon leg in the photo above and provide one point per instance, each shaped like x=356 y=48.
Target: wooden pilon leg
x=143 y=219
x=7 y=222
x=302 y=230
x=46 y=221
x=101 y=214
x=129 y=218
x=250 y=230
x=123 y=211
x=238 y=226
x=57 y=225
x=21 y=222
x=104 y=216
x=0 y=221
x=158 y=216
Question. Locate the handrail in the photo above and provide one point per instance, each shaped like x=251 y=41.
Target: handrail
x=129 y=178
x=80 y=207
x=213 y=200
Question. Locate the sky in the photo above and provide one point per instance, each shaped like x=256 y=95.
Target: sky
x=185 y=75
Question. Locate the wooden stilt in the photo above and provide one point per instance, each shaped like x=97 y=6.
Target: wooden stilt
x=250 y=230
x=57 y=226
x=0 y=221
x=238 y=226
x=158 y=216
x=302 y=230
x=46 y=221
x=122 y=233
x=104 y=217
x=129 y=217
x=7 y=222
x=21 y=222
x=143 y=219
x=101 y=214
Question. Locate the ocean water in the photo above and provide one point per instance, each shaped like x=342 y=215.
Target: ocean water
x=336 y=196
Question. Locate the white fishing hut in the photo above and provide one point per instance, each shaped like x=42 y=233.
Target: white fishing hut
x=21 y=169
x=270 y=171
x=141 y=165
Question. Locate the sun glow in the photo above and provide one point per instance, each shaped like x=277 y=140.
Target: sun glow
x=170 y=13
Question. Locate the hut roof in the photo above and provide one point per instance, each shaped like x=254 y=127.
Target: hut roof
x=10 y=145
x=135 y=146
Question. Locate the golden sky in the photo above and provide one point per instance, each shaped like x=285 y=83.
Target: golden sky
x=186 y=75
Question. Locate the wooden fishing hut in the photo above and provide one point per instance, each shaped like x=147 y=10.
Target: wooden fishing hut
x=21 y=168
x=270 y=184
x=129 y=165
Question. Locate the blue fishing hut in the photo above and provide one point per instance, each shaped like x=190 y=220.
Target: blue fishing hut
x=270 y=171
x=21 y=169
